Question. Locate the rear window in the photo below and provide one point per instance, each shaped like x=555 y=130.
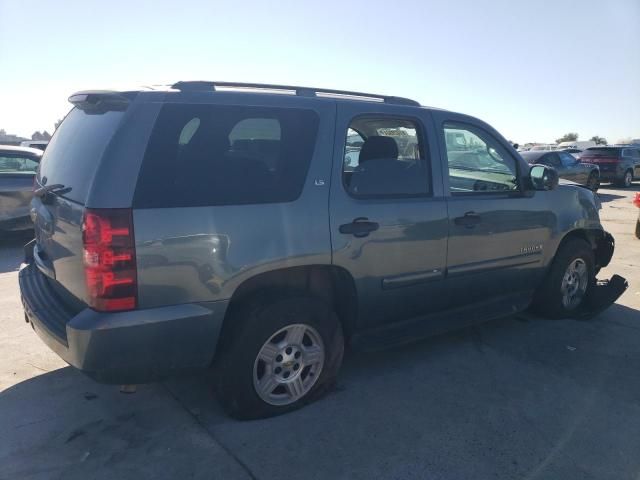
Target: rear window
x=601 y=152
x=201 y=155
x=16 y=164
x=73 y=154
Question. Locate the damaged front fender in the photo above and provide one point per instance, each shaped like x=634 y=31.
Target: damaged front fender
x=605 y=245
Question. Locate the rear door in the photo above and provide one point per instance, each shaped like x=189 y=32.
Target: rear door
x=16 y=187
x=68 y=169
x=497 y=231
x=388 y=216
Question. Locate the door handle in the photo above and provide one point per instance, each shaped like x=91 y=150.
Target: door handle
x=469 y=220
x=359 y=227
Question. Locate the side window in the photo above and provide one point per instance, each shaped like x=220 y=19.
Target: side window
x=384 y=157
x=201 y=155
x=477 y=161
x=567 y=159
x=17 y=165
x=257 y=139
x=553 y=160
x=352 y=150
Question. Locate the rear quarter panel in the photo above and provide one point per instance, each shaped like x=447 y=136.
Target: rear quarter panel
x=199 y=254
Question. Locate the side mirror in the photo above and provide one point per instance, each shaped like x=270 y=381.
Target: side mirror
x=543 y=177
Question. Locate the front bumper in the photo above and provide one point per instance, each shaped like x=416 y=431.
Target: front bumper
x=132 y=347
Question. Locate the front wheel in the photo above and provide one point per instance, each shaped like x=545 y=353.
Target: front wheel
x=283 y=355
x=569 y=280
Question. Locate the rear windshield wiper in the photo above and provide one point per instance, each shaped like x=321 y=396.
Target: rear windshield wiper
x=42 y=191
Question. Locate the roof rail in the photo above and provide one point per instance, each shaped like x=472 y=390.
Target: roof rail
x=207 y=86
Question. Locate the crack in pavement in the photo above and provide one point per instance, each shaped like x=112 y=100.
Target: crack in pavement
x=229 y=452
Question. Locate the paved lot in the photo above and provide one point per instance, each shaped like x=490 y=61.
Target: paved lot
x=516 y=398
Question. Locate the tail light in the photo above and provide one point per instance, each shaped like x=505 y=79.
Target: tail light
x=636 y=200
x=109 y=259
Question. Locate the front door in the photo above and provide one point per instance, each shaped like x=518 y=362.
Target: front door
x=388 y=213
x=497 y=231
x=572 y=169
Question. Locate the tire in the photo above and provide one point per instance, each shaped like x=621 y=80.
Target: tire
x=549 y=299
x=627 y=180
x=593 y=183
x=289 y=332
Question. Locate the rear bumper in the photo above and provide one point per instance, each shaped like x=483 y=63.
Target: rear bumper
x=132 y=347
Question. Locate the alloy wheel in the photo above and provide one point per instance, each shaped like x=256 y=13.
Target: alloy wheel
x=289 y=364
x=574 y=284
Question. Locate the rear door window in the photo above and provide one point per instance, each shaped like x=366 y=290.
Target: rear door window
x=200 y=155
x=73 y=154
x=384 y=158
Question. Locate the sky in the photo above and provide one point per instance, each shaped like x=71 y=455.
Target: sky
x=534 y=70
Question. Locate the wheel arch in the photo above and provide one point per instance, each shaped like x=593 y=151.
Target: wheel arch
x=334 y=285
x=601 y=243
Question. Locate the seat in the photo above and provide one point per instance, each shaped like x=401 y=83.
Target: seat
x=380 y=173
x=378 y=147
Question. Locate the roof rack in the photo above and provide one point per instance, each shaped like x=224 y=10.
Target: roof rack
x=207 y=86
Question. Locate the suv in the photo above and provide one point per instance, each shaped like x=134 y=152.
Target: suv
x=219 y=224
x=618 y=165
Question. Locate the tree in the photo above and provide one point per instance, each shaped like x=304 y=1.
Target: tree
x=57 y=124
x=568 y=137
x=598 y=140
x=41 y=135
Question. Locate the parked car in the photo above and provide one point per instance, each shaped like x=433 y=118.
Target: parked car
x=544 y=148
x=618 y=165
x=567 y=166
x=577 y=145
x=17 y=168
x=575 y=152
x=217 y=223
x=39 y=144
x=636 y=202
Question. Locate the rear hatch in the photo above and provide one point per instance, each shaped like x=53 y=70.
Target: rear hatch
x=605 y=157
x=66 y=174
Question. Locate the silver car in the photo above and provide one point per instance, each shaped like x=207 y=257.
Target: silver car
x=18 y=166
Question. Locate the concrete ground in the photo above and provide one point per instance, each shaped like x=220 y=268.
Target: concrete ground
x=519 y=398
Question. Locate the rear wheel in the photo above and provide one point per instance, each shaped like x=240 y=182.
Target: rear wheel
x=593 y=183
x=284 y=354
x=627 y=180
x=567 y=284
